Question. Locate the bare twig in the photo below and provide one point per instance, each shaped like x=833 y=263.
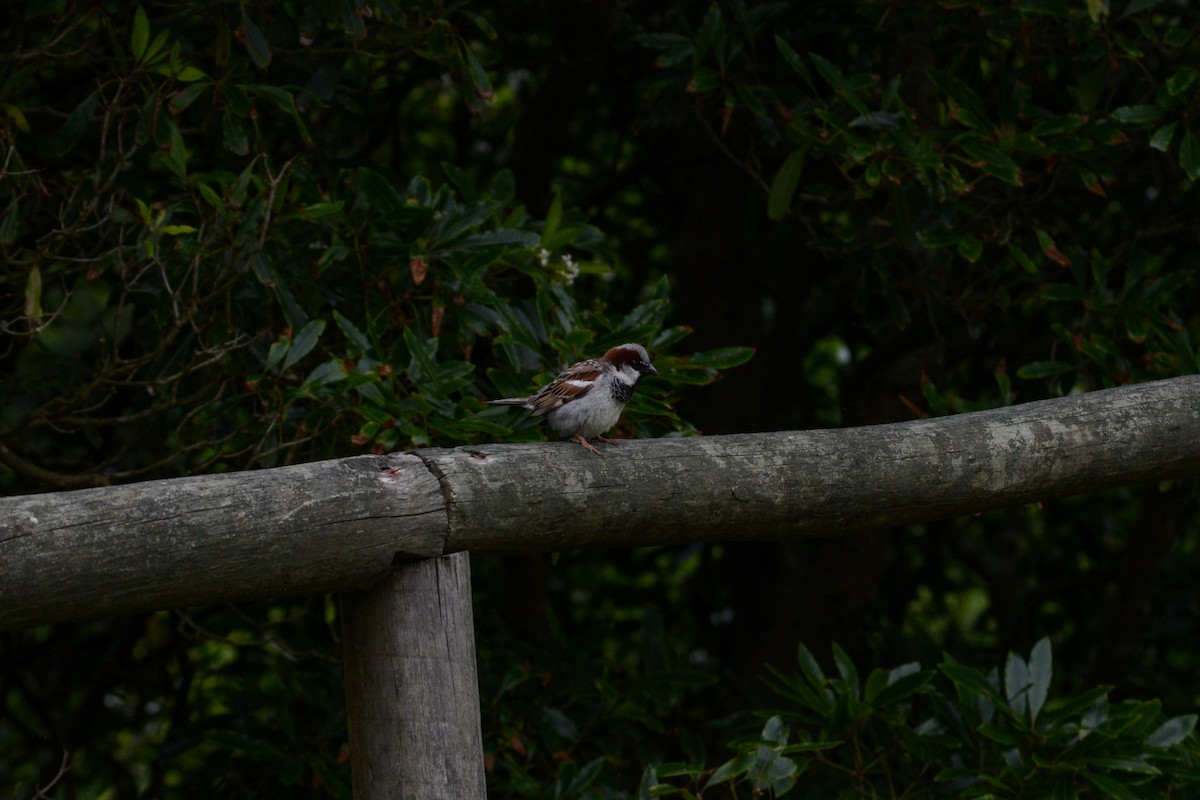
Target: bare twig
x=58 y=776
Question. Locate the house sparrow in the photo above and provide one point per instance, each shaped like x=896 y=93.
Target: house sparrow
x=586 y=399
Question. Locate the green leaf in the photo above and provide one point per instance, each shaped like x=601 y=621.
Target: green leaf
x=1058 y=125
x=329 y=372
x=503 y=236
x=33 y=295
x=475 y=73
x=991 y=159
x=380 y=192
x=17 y=116
x=189 y=74
x=1000 y=735
x=877 y=120
x=144 y=212
x=176 y=155
x=304 y=341
x=1063 y=292
x=560 y=723
x=1021 y=258
x=834 y=77
x=816 y=678
x=1161 y=140
x=1181 y=80
x=1096 y=715
x=791 y=57
x=482 y=24
x=811 y=747
x=185 y=98
x=748 y=98
x=969 y=679
x=783 y=187
x=282 y=98
x=1112 y=787
x=846 y=670
x=775 y=731
x=955 y=774
x=1172 y=732
x=1136 y=115
x=553 y=218
x=1138 y=6
x=721 y=358
x=321 y=210
x=233 y=135
x=901 y=687
x=711 y=36
x=141 y=33
x=468 y=426
x=1016 y=684
x=970 y=248
x=77 y=123
x=421 y=353
x=731 y=769
x=1124 y=765
x=1043 y=369
x=1135 y=327
x=275 y=354
x=1189 y=155
x=256 y=43
x=1064 y=791
x=158 y=44
x=1040 y=671
x=970 y=109
x=9 y=223
x=352 y=333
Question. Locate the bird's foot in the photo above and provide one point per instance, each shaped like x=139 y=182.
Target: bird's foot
x=586 y=444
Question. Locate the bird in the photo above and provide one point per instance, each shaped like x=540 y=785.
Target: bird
x=587 y=398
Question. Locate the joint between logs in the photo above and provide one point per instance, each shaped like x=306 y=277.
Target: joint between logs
x=447 y=493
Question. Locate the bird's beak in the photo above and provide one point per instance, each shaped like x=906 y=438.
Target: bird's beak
x=649 y=370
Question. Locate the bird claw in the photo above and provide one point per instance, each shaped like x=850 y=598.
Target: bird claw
x=588 y=445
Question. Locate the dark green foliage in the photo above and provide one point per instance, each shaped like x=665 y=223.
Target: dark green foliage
x=992 y=169
x=951 y=732
x=284 y=298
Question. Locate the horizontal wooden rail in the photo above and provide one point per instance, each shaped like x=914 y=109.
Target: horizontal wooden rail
x=341 y=525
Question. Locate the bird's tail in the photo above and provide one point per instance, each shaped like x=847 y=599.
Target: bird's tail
x=509 y=401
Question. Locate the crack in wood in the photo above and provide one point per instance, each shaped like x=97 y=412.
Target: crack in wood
x=447 y=494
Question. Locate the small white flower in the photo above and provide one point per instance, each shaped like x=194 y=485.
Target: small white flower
x=570 y=271
x=544 y=257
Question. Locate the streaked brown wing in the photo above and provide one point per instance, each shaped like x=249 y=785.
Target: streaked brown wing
x=571 y=384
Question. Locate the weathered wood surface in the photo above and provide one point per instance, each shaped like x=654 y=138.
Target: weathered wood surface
x=821 y=482
x=328 y=526
x=338 y=525
x=412 y=698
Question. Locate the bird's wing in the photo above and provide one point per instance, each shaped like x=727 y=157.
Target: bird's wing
x=571 y=384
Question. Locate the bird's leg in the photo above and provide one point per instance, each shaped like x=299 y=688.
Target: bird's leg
x=606 y=440
x=587 y=445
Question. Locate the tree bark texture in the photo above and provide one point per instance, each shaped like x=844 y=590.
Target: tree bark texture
x=328 y=526
x=340 y=525
x=412 y=698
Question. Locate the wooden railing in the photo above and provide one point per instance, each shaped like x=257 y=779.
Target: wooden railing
x=392 y=533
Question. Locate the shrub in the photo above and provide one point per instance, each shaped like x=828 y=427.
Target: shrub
x=951 y=732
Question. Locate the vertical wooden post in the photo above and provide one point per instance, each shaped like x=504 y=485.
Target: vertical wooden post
x=412 y=695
